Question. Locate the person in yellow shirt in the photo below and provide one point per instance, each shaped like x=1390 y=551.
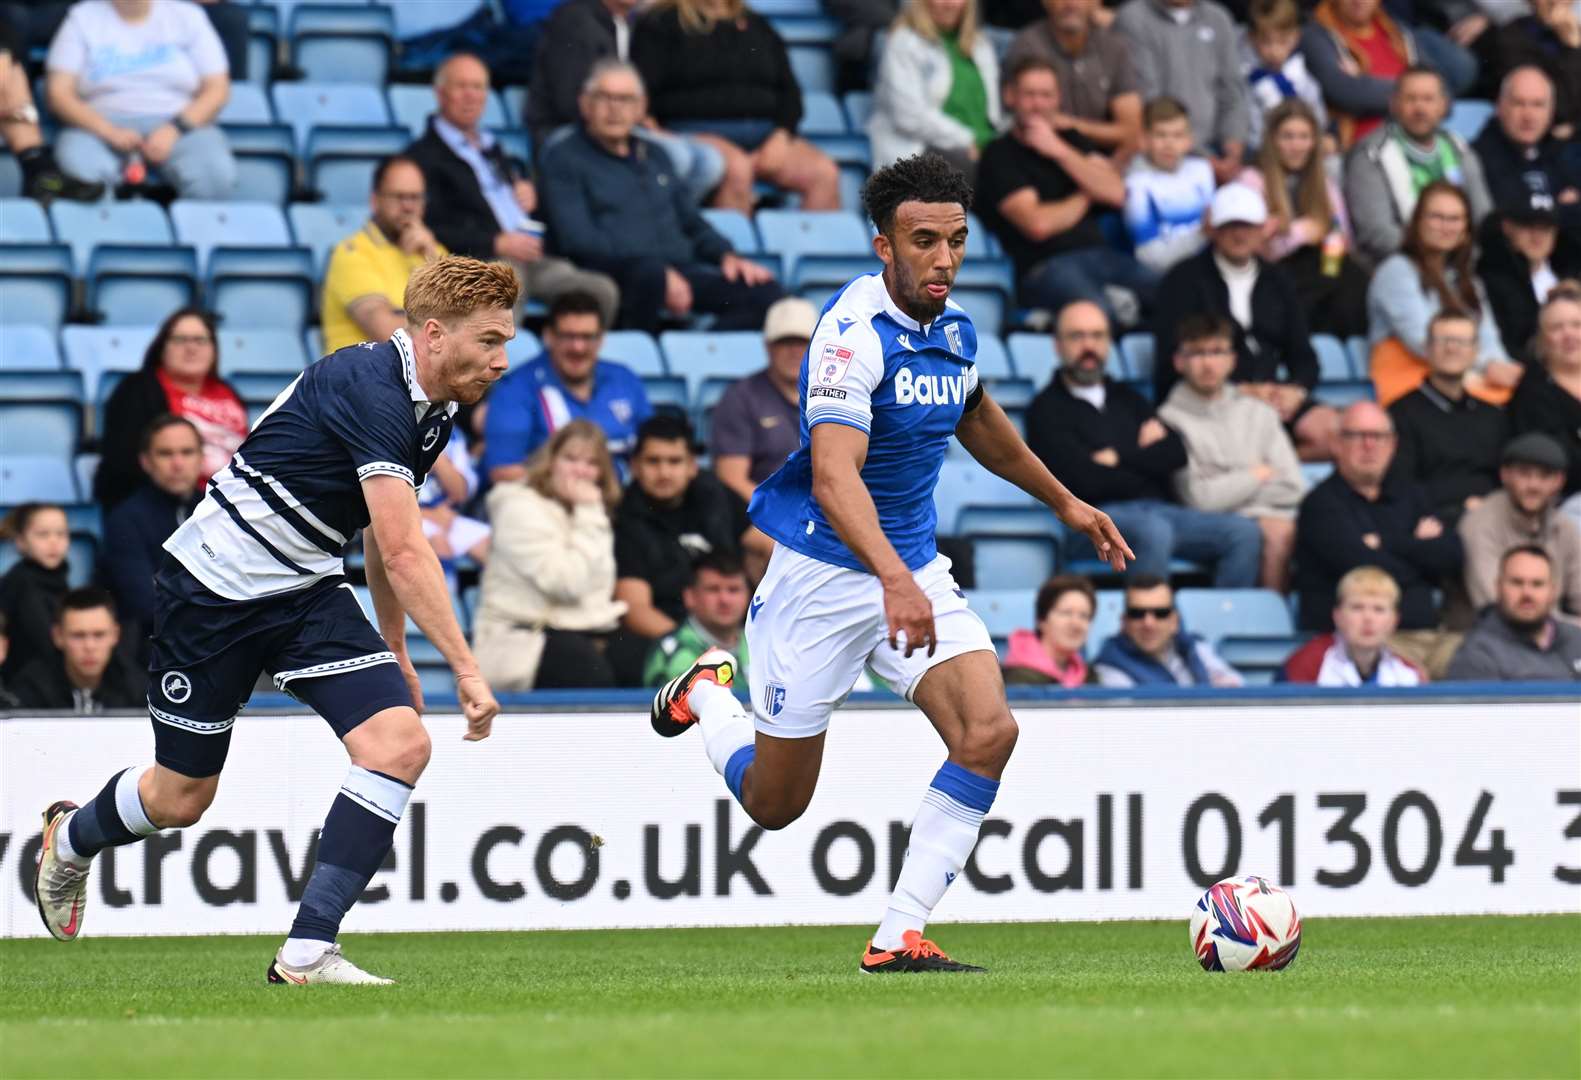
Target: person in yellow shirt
x=365 y=286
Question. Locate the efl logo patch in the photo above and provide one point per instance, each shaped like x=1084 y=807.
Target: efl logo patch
x=773 y=699
x=833 y=363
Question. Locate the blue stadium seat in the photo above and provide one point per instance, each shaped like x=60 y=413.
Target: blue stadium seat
x=313 y=342
x=341 y=160
x=821 y=115
x=846 y=150
x=46 y=385
x=411 y=104
x=967 y=484
x=35 y=271
x=635 y=349
x=261 y=351
x=736 y=227
x=262 y=52
x=10 y=176
x=258 y=387
x=1333 y=361
x=1315 y=472
x=1344 y=394
x=858 y=109
x=265 y=161
x=1105 y=619
x=1137 y=349
x=813 y=66
x=414 y=18
x=806 y=29
x=248 y=104
x=837 y=239
x=1360 y=356
x=347 y=43
x=1013 y=547
x=47 y=428
x=783 y=9
x=29 y=348
x=522 y=348
x=711 y=361
x=515 y=105
x=128 y=256
x=1003 y=611
x=983 y=301
x=1259 y=658
x=852 y=178
x=95 y=350
x=992 y=360
x=256 y=276
x=1033 y=357
x=1468 y=116
x=1220 y=613
x=24 y=222
x=35 y=478
x=87 y=225
x=84 y=467
x=309 y=105
x=320 y=226
x=210 y=225
x=667 y=393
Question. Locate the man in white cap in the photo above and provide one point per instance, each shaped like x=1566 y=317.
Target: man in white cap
x=757 y=424
x=1274 y=361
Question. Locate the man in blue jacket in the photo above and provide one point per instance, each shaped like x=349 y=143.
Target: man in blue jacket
x=1152 y=650
x=614 y=204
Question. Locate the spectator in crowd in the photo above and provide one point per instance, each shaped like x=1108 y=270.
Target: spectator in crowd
x=1104 y=441
x=31 y=591
x=757 y=423
x=136 y=530
x=1187 y=50
x=1040 y=190
x=578 y=35
x=1053 y=652
x=365 y=285
x=1151 y=649
x=718 y=70
x=1525 y=163
x=1274 y=68
x=1167 y=189
x=1356 y=652
x=566 y=382
x=716 y=612
x=480 y=202
x=669 y=516
x=1309 y=231
x=451 y=484
x=1097 y=80
x=1524 y=257
x=1550 y=401
x=1447 y=443
x=8 y=700
x=1360 y=516
x=42 y=178
x=1238 y=458
x=1387 y=172
x=1549 y=38
x=137 y=85
x=1274 y=361
x=860 y=23
x=546 y=610
x=1356 y=51
x=1518 y=639
x=180 y=375
x=616 y=205
x=84 y=672
x=1433 y=273
x=1523 y=512
x=937 y=86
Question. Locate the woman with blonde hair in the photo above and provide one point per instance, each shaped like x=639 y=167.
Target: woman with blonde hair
x=547 y=601
x=717 y=71
x=1310 y=235
x=938 y=86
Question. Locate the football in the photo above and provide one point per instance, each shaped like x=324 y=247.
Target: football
x=1245 y=924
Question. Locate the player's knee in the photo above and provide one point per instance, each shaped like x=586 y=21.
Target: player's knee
x=180 y=808
x=989 y=744
x=402 y=754
x=775 y=818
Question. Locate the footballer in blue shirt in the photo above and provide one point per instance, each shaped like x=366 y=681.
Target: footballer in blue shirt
x=855 y=580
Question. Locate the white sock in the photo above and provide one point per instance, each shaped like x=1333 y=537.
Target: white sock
x=726 y=725
x=942 y=837
x=302 y=952
x=63 y=848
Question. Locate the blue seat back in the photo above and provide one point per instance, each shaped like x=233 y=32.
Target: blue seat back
x=94 y=350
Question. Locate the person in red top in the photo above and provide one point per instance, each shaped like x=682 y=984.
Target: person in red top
x=180 y=375
x=1356 y=51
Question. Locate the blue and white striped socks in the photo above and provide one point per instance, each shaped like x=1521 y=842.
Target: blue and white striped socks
x=942 y=837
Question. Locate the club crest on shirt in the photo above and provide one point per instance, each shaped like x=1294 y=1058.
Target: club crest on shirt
x=620 y=408
x=833 y=363
x=773 y=699
x=952 y=334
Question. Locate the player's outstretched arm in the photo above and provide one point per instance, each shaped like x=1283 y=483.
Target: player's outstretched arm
x=993 y=440
x=413 y=574
x=838 y=453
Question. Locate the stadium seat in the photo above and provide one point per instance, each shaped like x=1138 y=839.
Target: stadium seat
x=1013 y=547
x=24 y=223
x=256 y=276
x=983 y=301
x=515 y=105
x=858 y=109
x=635 y=349
x=806 y=29
x=822 y=115
x=84 y=467
x=414 y=18
x=1033 y=357
x=10 y=175
x=247 y=104
x=35 y=271
x=29 y=348
x=813 y=66
x=1360 y=356
x=1468 y=116
x=348 y=43
x=1343 y=394
x=736 y=227
x=667 y=393
x=320 y=226
x=261 y=351
x=965 y=484
x=837 y=238
x=711 y=361
x=522 y=348
x=258 y=388
x=313 y=342
x=41 y=428
x=1105 y=619
x=128 y=257
x=992 y=360
x=210 y=225
x=1220 y=613
x=1315 y=472
x=44 y=385
x=1003 y=611
x=341 y=160
x=262 y=52
x=265 y=162
x=94 y=350
x=1333 y=361
x=1137 y=350
x=308 y=105
x=1259 y=658
x=411 y=105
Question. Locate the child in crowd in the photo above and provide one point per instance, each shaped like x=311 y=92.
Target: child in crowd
x=1167 y=189
x=1275 y=71
x=30 y=592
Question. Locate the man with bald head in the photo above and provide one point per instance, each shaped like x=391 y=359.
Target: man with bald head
x=1525 y=164
x=1358 y=517
x=1113 y=451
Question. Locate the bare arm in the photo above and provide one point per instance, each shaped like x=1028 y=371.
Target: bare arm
x=1095 y=175
x=992 y=439
x=213 y=92
x=389 y=615
x=70 y=109
x=1122 y=133
x=641 y=616
x=1039 y=221
x=376 y=317
x=735 y=470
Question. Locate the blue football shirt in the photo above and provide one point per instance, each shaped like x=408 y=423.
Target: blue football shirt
x=531 y=404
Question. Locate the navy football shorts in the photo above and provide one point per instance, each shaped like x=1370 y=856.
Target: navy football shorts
x=208 y=653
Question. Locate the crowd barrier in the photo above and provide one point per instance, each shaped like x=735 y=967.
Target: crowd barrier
x=580 y=819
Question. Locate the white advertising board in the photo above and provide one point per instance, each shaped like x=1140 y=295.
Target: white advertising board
x=587 y=820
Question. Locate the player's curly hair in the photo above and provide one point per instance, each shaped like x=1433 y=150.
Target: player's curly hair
x=455 y=286
x=926 y=177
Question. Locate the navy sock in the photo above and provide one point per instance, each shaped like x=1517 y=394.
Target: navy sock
x=358 y=834
x=112 y=818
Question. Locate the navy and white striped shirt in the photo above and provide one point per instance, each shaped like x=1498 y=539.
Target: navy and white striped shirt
x=278 y=518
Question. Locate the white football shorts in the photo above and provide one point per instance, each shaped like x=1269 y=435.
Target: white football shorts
x=813 y=627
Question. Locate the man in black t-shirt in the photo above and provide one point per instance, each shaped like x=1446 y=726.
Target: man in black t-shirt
x=1041 y=189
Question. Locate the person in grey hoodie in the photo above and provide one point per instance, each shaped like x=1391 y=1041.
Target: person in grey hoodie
x=1238 y=458
x=1518 y=639
x=1187 y=50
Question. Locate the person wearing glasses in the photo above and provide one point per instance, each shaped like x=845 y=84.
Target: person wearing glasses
x=1152 y=649
x=365 y=286
x=1361 y=516
x=1446 y=441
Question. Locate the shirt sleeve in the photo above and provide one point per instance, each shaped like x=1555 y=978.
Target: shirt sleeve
x=843 y=370
x=203 y=44
x=377 y=429
x=69 y=51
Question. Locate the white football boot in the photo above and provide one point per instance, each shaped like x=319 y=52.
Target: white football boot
x=332 y=967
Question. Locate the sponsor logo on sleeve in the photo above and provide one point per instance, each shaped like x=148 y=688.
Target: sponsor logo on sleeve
x=833 y=363
x=826 y=392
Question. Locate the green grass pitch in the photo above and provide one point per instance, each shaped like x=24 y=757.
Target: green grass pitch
x=1438 y=997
